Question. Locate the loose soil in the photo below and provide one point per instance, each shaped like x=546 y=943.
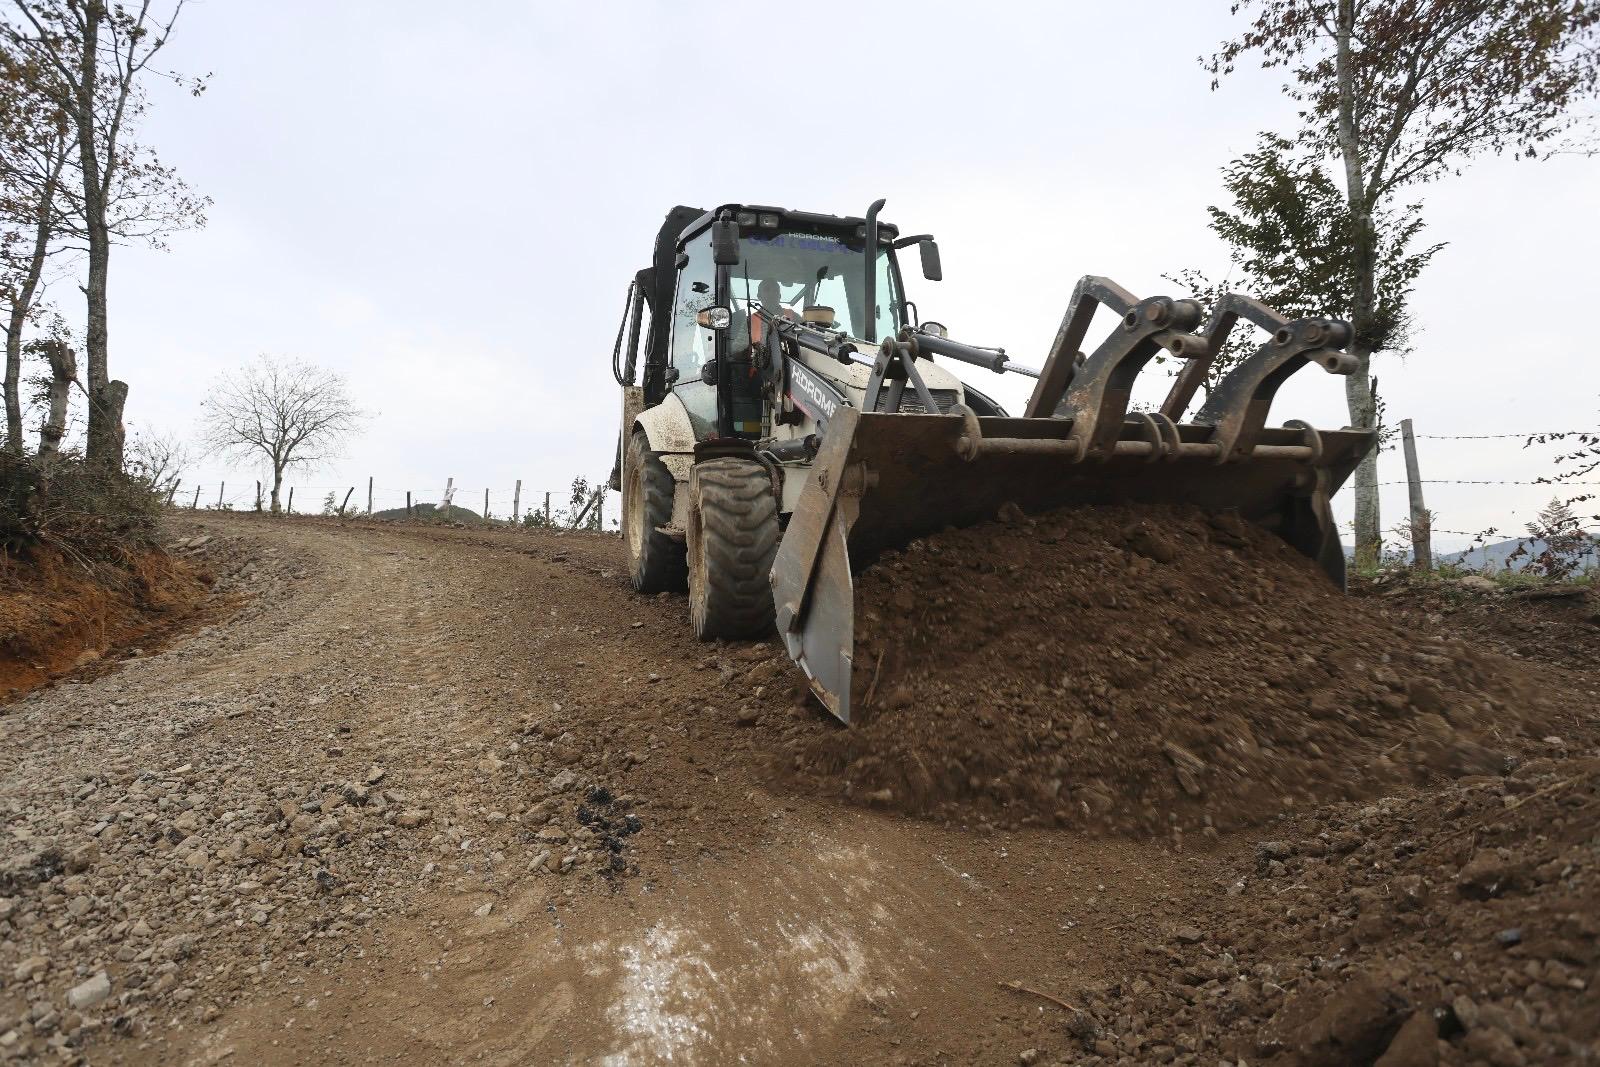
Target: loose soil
x=1149 y=671
x=59 y=615
x=436 y=796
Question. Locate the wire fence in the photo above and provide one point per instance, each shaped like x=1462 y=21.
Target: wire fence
x=581 y=505
x=594 y=506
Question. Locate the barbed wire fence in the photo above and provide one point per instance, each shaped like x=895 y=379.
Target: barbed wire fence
x=1583 y=530
x=594 y=506
x=581 y=505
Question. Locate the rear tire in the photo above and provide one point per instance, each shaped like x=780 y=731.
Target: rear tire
x=656 y=562
x=733 y=535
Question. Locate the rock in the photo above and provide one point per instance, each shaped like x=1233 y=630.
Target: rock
x=1416 y=1045
x=1466 y=1011
x=86 y=657
x=375 y=774
x=1353 y=1024
x=31 y=966
x=88 y=994
x=563 y=781
x=482 y=911
x=1146 y=542
x=1474 y=583
x=1484 y=875
x=1188 y=935
x=1508 y=937
x=176 y=947
x=553 y=835
x=1028 y=1057
x=412 y=817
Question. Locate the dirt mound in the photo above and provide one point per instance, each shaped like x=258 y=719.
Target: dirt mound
x=1144 y=670
x=1461 y=926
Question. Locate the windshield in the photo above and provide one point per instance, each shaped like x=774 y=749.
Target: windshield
x=798 y=271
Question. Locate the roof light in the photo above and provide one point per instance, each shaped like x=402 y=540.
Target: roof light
x=769 y=220
x=746 y=218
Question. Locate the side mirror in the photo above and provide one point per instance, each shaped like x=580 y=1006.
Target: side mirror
x=725 y=243
x=931 y=269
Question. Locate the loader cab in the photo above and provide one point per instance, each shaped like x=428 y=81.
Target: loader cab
x=808 y=267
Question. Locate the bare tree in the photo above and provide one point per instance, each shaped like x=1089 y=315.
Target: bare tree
x=33 y=153
x=289 y=414
x=1406 y=92
x=96 y=53
x=156 y=460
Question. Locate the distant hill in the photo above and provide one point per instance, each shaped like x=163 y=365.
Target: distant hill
x=431 y=513
x=1492 y=557
x=1497 y=555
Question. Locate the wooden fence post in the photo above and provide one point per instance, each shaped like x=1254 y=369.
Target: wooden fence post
x=516 y=503
x=547 y=509
x=369 y=495
x=1421 y=539
x=408 y=503
x=258 y=494
x=220 y=488
x=346 y=500
x=486 y=504
x=196 y=502
x=291 y=500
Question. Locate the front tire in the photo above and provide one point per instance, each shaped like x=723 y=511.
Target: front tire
x=732 y=538
x=656 y=562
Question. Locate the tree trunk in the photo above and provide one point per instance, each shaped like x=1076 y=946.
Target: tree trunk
x=1363 y=412
x=277 y=487
x=1363 y=302
x=44 y=219
x=103 y=446
x=14 y=379
x=63 y=371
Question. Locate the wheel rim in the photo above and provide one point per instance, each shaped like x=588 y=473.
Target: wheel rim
x=635 y=509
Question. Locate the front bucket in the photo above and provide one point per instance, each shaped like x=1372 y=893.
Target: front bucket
x=881 y=480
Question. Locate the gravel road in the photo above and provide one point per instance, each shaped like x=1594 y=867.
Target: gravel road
x=428 y=795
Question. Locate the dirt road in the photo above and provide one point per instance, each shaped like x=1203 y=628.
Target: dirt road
x=439 y=796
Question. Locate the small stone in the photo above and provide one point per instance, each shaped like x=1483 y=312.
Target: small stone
x=1466 y=1011
x=538 y=862
x=563 y=781
x=1188 y=935
x=482 y=911
x=1028 y=1057
x=552 y=834
x=88 y=994
x=31 y=966
x=412 y=817
x=375 y=774
x=1508 y=937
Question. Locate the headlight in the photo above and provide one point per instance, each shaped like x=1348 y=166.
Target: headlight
x=769 y=220
x=745 y=218
x=715 y=318
x=934 y=329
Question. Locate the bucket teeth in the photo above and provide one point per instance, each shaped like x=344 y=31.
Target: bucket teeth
x=1095 y=391
x=1237 y=406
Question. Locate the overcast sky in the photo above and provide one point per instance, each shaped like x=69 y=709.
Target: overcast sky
x=444 y=203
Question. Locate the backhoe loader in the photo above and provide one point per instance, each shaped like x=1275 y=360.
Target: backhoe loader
x=793 y=417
